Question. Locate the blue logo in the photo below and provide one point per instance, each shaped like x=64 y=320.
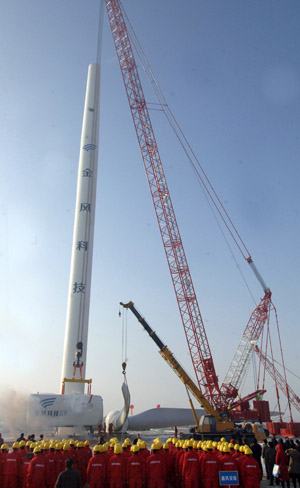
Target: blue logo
x=89 y=147
x=47 y=402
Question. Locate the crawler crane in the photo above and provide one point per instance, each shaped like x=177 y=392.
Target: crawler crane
x=220 y=397
x=213 y=424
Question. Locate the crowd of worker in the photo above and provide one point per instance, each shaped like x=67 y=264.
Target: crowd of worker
x=175 y=464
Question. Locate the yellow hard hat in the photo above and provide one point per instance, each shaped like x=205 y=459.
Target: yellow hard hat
x=66 y=446
x=86 y=443
x=166 y=445
x=4 y=447
x=134 y=448
x=209 y=445
x=28 y=443
x=223 y=439
x=97 y=448
x=52 y=445
x=247 y=451
x=154 y=447
x=231 y=446
x=15 y=445
x=36 y=449
x=237 y=447
x=46 y=445
x=225 y=448
x=58 y=446
x=241 y=449
x=118 y=449
x=21 y=443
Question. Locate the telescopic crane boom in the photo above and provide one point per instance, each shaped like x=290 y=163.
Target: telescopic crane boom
x=167 y=355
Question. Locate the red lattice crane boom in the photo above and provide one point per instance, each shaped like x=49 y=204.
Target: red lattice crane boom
x=182 y=281
x=241 y=359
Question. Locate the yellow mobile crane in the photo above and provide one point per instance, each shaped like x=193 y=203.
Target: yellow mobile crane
x=212 y=423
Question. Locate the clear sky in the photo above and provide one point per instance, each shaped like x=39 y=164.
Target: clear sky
x=230 y=71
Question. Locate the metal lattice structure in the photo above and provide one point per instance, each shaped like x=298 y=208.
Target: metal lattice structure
x=280 y=381
x=182 y=281
x=241 y=359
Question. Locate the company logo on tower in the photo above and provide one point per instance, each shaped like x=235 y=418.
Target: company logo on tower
x=47 y=402
x=89 y=147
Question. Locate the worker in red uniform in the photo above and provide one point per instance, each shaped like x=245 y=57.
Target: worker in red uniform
x=237 y=454
x=81 y=460
x=144 y=451
x=155 y=468
x=172 y=456
x=241 y=457
x=116 y=468
x=135 y=469
x=250 y=470
x=22 y=449
x=88 y=452
x=97 y=468
x=190 y=469
x=24 y=470
x=227 y=461
x=169 y=464
x=36 y=476
x=12 y=470
x=51 y=461
x=59 y=458
x=65 y=453
x=178 y=454
x=209 y=468
x=3 y=454
x=73 y=453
